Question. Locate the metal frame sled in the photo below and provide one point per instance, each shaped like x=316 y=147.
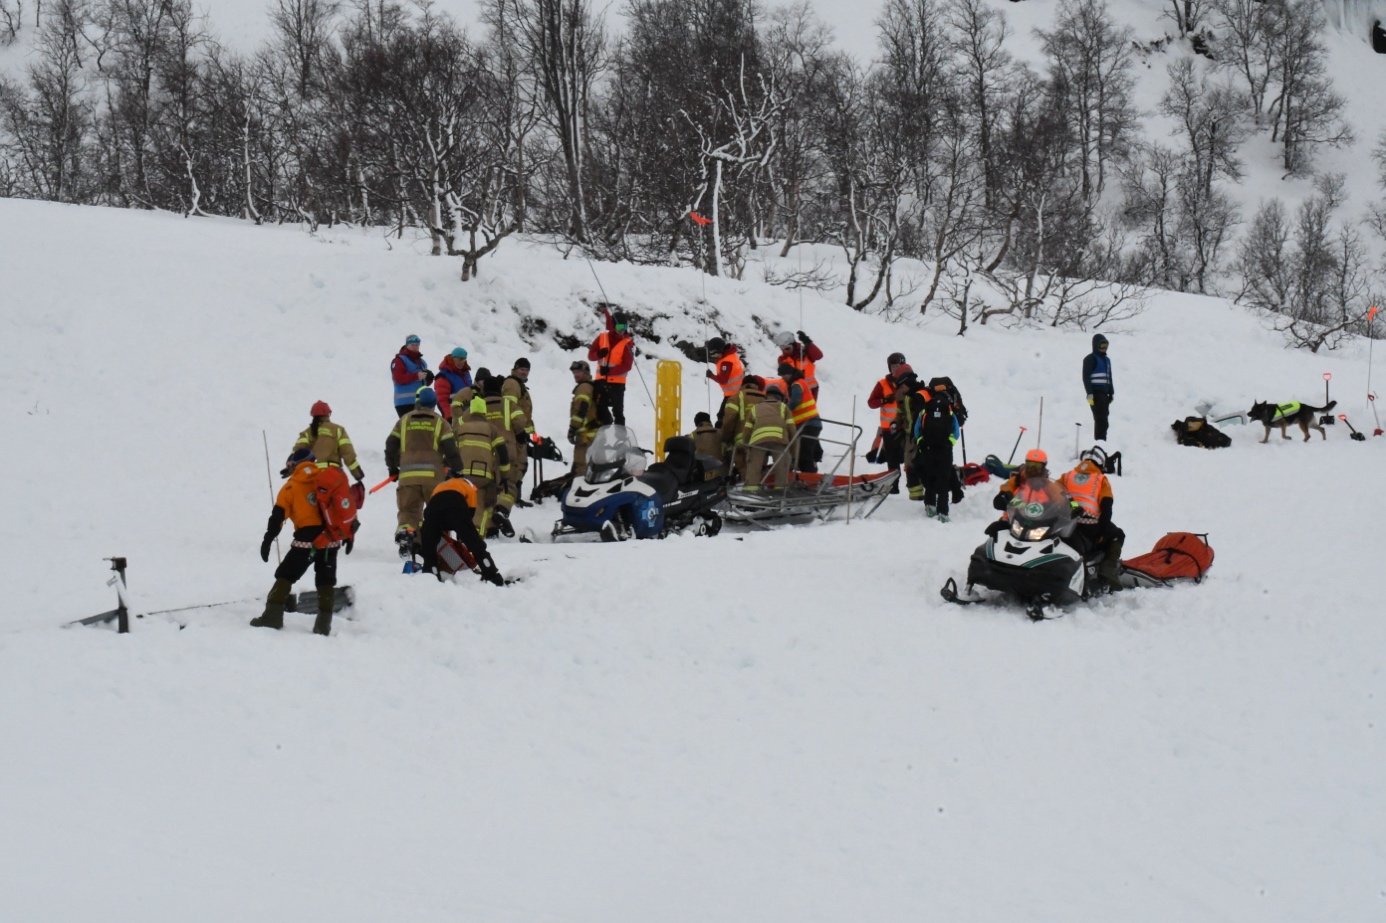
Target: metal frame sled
x=818 y=495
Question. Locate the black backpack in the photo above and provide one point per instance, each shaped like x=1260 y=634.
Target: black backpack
x=936 y=422
x=1197 y=431
x=1110 y=464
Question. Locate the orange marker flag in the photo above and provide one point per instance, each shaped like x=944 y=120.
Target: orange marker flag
x=699 y=219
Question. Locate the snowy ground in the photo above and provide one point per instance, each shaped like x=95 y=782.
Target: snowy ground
x=774 y=726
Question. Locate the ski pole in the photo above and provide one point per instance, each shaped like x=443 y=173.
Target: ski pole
x=269 y=480
x=1014 y=447
x=389 y=480
x=962 y=436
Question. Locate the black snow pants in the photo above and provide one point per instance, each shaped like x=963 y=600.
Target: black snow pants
x=935 y=470
x=299 y=559
x=1100 y=404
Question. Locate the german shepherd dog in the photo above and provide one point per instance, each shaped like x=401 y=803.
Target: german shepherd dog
x=1282 y=415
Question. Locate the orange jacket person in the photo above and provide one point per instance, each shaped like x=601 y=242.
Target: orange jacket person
x=297 y=501
x=614 y=353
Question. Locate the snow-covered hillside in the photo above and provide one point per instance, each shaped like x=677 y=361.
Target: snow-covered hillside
x=786 y=725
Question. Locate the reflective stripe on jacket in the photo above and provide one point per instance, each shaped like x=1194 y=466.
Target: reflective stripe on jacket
x=771 y=423
x=888 y=407
x=1088 y=486
x=735 y=372
x=405 y=394
x=805 y=407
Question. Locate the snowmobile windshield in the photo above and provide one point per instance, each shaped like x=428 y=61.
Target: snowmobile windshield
x=614 y=454
x=1039 y=510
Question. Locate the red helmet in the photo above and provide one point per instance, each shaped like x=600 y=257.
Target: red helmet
x=1036 y=456
x=320 y=409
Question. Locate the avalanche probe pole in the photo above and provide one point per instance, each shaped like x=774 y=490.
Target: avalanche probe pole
x=1018 y=437
x=1039 y=436
x=852 y=460
x=269 y=480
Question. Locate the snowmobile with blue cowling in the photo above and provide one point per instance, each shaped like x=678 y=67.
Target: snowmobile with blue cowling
x=618 y=497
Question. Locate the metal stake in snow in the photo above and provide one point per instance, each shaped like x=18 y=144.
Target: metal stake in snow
x=1077 y=439
x=1039 y=433
x=852 y=461
x=1371 y=341
x=269 y=480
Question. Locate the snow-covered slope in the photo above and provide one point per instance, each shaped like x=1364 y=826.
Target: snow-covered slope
x=774 y=726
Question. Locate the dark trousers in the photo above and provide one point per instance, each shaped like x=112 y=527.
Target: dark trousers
x=892 y=451
x=935 y=472
x=403 y=409
x=1100 y=403
x=1090 y=537
x=810 y=451
x=613 y=397
x=449 y=511
x=297 y=561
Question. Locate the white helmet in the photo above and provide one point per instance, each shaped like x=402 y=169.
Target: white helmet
x=784 y=339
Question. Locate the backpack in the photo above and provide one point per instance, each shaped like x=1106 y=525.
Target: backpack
x=1197 y=431
x=336 y=506
x=935 y=427
x=1110 y=464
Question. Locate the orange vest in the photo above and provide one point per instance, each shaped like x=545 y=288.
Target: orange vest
x=807 y=408
x=458 y=485
x=738 y=372
x=778 y=382
x=1085 y=486
x=615 y=356
x=298 y=497
x=805 y=366
x=888 y=406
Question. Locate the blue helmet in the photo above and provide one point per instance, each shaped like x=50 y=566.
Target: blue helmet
x=427 y=398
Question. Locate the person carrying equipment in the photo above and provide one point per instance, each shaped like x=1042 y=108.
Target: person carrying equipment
x=768 y=431
x=614 y=352
x=730 y=370
x=803 y=413
x=735 y=417
x=1097 y=381
x=328 y=442
x=485 y=458
x=1090 y=492
x=509 y=421
x=935 y=433
x=802 y=355
x=888 y=446
x=452 y=509
x=706 y=439
x=410 y=372
x=454 y=377
x=319 y=504
x=910 y=400
x=419 y=451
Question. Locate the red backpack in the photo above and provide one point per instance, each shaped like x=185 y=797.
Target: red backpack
x=336 y=505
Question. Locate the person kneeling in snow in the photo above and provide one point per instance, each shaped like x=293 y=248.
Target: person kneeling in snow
x=303 y=499
x=452 y=509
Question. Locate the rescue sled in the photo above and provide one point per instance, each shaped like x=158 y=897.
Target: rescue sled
x=817 y=495
x=1179 y=557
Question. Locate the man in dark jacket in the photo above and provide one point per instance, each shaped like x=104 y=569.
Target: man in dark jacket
x=1097 y=381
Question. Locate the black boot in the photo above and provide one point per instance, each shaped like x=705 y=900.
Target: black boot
x=1110 y=568
x=327 y=596
x=273 y=616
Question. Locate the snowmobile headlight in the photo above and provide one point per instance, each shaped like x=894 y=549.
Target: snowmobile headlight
x=1036 y=534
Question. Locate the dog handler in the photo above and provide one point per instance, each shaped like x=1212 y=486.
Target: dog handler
x=1097 y=380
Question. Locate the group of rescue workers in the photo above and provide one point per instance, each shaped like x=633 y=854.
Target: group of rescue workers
x=461 y=449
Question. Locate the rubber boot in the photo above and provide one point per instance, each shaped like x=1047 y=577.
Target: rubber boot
x=327 y=596
x=273 y=616
x=1110 y=568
